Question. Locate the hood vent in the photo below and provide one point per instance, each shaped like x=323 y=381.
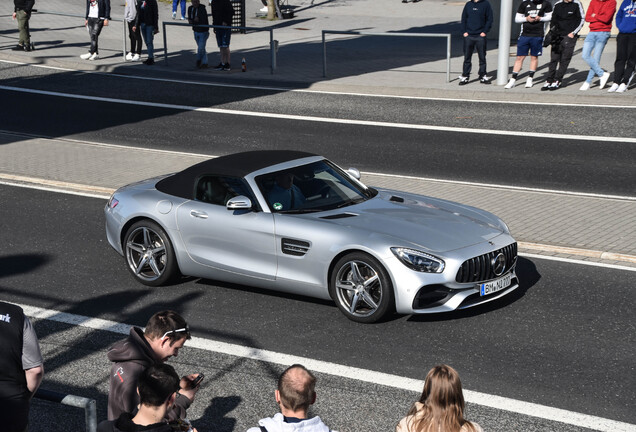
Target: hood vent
x=396 y=199
x=339 y=216
x=294 y=247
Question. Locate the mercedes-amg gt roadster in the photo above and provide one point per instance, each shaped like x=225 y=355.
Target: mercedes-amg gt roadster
x=295 y=222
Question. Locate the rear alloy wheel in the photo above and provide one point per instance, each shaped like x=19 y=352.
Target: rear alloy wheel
x=361 y=288
x=149 y=254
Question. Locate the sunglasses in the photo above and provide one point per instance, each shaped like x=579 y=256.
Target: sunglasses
x=185 y=329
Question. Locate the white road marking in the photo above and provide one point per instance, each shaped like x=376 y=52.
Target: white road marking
x=323 y=119
x=575 y=261
x=295 y=90
x=395 y=381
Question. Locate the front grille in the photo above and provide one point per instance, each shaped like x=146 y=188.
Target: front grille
x=480 y=269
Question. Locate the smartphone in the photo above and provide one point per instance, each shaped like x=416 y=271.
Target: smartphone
x=195 y=382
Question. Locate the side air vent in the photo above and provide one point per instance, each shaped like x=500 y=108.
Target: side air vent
x=396 y=199
x=294 y=247
x=339 y=216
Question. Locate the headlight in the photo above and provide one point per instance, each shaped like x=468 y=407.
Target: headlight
x=419 y=261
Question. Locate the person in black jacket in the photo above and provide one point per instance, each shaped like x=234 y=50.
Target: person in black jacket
x=22 y=12
x=97 y=16
x=476 y=21
x=222 y=13
x=568 y=18
x=157 y=387
x=198 y=17
x=148 y=21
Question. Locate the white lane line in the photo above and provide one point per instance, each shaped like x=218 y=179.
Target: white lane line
x=324 y=119
x=575 y=261
x=353 y=373
x=338 y=93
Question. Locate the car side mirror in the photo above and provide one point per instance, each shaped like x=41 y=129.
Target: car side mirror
x=353 y=172
x=239 y=203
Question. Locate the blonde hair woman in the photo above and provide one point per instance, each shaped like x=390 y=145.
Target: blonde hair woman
x=441 y=406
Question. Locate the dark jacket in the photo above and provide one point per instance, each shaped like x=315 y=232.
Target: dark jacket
x=222 y=12
x=567 y=18
x=103 y=7
x=130 y=358
x=477 y=17
x=125 y=424
x=148 y=13
x=202 y=14
x=25 y=5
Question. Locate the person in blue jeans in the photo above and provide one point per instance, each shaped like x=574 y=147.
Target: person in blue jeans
x=476 y=21
x=148 y=21
x=599 y=14
x=198 y=17
x=175 y=4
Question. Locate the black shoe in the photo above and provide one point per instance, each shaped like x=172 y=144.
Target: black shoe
x=27 y=48
x=463 y=80
x=555 y=85
x=219 y=66
x=226 y=67
x=485 y=79
x=149 y=62
x=546 y=86
x=203 y=66
x=17 y=48
x=198 y=63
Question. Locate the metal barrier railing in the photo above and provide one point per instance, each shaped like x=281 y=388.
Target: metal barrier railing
x=125 y=26
x=273 y=44
x=89 y=405
x=444 y=35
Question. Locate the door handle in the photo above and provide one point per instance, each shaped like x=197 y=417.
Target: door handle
x=199 y=214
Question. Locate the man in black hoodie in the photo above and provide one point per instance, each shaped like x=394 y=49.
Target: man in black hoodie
x=157 y=387
x=476 y=21
x=22 y=12
x=148 y=21
x=165 y=334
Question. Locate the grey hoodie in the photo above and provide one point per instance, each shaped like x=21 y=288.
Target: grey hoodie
x=130 y=10
x=277 y=424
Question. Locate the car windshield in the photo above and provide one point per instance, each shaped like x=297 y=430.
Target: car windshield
x=314 y=187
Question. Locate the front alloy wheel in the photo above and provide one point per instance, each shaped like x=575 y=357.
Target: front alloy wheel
x=361 y=288
x=149 y=254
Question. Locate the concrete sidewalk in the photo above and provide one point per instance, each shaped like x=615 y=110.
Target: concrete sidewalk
x=368 y=64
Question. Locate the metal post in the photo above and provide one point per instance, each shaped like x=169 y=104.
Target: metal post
x=90 y=411
x=165 y=43
x=448 y=57
x=324 y=56
x=505 y=22
x=272 y=50
x=124 y=42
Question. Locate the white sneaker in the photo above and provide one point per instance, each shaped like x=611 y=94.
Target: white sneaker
x=613 y=88
x=174 y=15
x=529 y=82
x=94 y=57
x=511 y=83
x=86 y=56
x=129 y=56
x=585 y=86
x=604 y=79
x=263 y=9
x=621 y=88
x=135 y=57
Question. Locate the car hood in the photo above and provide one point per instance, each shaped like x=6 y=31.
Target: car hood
x=417 y=221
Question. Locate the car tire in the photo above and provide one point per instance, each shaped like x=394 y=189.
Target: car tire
x=361 y=287
x=149 y=254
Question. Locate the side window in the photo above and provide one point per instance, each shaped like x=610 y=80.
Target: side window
x=218 y=190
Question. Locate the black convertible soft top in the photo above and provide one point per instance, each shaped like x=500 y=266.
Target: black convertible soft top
x=181 y=184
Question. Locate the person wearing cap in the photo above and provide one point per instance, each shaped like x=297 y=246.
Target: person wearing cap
x=22 y=12
x=165 y=334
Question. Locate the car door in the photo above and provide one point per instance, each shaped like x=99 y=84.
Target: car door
x=240 y=242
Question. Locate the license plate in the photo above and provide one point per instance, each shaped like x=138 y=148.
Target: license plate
x=496 y=285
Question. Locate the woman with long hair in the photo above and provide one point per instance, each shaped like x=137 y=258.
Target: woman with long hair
x=441 y=406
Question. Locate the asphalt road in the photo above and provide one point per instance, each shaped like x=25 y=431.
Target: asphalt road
x=568 y=330
x=605 y=167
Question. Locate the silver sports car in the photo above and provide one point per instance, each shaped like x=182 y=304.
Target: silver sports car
x=295 y=222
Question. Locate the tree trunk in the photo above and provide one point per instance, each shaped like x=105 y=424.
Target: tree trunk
x=271 y=10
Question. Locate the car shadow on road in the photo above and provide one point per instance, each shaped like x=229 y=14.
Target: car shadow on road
x=528 y=277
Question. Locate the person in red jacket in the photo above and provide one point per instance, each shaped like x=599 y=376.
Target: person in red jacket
x=599 y=14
